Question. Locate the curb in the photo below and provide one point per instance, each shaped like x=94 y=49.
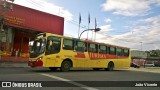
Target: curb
x=14 y=64
x=147 y=69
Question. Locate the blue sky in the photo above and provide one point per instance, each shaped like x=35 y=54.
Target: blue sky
x=130 y=23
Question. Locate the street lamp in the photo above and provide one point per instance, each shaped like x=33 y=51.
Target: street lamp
x=96 y=30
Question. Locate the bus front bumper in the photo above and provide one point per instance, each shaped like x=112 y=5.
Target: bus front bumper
x=35 y=63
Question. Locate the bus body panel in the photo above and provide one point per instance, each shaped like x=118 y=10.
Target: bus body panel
x=84 y=59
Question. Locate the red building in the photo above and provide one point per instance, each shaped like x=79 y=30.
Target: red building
x=22 y=24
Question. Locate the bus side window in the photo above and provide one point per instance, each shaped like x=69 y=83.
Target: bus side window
x=93 y=48
x=108 y=50
x=102 y=49
x=53 y=45
x=119 y=51
x=68 y=44
x=48 y=45
x=112 y=50
x=80 y=46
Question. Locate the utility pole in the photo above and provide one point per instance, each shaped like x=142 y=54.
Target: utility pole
x=5 y=5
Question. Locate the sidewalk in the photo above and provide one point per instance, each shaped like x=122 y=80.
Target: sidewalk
x=9 y=61
x=13 y=59
x=14 y=64
x=146 y=69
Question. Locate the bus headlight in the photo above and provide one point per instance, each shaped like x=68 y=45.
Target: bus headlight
x=39 y=62
x=39 y=59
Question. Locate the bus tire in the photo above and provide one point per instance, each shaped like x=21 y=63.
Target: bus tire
x=110 y=66
x=65 y=66
x=53 y=68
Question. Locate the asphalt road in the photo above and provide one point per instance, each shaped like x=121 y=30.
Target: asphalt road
x=74 y=79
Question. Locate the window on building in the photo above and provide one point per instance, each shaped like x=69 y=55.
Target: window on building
x=81 y=46
x=68 y=44
x=53 y=45
x=126 y=52
x=102 y=49
x=112 y=50
x=93 y=48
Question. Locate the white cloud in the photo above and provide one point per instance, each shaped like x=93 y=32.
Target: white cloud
x=130 y=7
x=157 y=2
x=148 y=35
x=105 y=28
x=108 y=20
x=152 y=20
x=45 y=6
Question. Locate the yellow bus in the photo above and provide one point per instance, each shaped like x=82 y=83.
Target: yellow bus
x=56 y=51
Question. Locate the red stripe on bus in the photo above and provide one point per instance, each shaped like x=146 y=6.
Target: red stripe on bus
x=104 y=56
x=80 y=55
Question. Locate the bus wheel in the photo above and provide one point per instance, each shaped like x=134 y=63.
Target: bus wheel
x=110 y=66
x=65 y=66
x=53 y=68
x=96 y=69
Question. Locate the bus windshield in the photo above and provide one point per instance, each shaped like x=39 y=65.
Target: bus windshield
x=38 y=47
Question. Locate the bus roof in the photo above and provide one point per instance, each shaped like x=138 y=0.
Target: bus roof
x=88 y=41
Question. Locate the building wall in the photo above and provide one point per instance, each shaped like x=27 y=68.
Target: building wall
x=27 y=18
